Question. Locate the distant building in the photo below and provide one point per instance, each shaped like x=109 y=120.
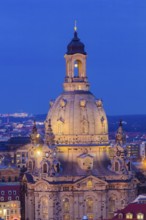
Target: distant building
x=143 y=150
x=133 y=151
x=9 y=190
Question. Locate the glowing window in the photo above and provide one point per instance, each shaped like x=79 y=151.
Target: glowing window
x=76 y=68
x=90 y=217
x=66 y=204
x=111 y=205
x=89 y=204
x=44 y=207
x=129 y=216
x=140 y=216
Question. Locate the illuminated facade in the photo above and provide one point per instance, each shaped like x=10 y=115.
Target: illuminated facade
x=9 y=192
x=74 y=173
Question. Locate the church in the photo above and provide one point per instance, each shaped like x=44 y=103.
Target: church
x=76 y=172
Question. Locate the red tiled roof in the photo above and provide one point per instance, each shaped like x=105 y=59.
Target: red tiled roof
x=9 y=192
x=133 y=208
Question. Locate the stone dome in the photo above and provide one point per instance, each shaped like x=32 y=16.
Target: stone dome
x=78 y=118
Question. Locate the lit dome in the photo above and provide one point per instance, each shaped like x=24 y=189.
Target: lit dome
x=76 y=116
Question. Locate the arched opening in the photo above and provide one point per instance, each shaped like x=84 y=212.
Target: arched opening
x=77 y=68
x=111 y=207
x=66 y=206
x=45 y=168
x=116 y=166
x=89 y=205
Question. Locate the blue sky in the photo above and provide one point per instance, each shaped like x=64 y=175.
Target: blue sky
x=33 y=38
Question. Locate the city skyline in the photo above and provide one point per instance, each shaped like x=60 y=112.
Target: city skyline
x=34 y=38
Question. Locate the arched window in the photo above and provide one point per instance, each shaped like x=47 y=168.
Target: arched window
x=111 y=205
x=140 y=216
x=89 y=205
x=45 y=168
x=77 y=68
x=44 y=208
x=116 y=166
x=129 y=216
x=66 y=206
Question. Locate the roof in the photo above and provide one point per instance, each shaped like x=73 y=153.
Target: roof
x=75 y=46
x=133 y=208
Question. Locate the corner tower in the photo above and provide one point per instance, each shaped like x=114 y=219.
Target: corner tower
x=77 y=117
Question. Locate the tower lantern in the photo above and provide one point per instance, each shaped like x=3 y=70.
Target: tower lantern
x=75 y=56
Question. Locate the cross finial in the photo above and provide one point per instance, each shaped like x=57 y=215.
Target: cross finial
x=75 y=26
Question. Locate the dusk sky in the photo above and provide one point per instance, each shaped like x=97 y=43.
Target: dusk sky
x=33 y=38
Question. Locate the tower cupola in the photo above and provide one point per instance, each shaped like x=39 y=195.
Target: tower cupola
x=75 y=46
x=76 y=79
